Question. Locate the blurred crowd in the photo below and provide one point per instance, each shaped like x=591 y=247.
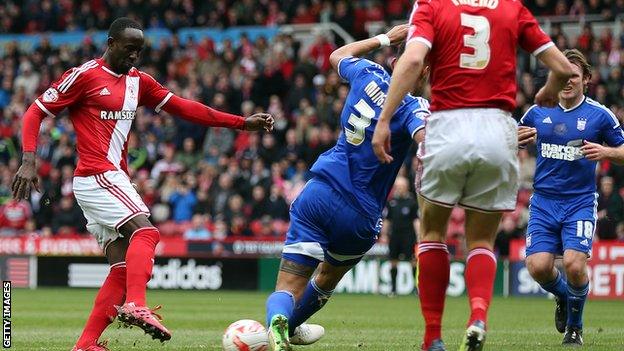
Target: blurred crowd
x=66 y=15
x=28 y=16
x=213 y=183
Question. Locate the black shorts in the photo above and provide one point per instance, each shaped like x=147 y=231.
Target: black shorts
x=402 y=247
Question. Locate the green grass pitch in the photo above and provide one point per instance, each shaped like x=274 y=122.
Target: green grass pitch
x=51 y=319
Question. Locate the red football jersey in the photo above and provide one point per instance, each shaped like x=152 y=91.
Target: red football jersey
x=473 y=49
x=102 y=105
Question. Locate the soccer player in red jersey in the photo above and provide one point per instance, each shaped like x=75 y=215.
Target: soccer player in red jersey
x=102 y=96
x=468 y=157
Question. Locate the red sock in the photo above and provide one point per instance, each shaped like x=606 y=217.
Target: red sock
x=139 y=263
x=479 y=275
x=433 y=280
x=111 y=293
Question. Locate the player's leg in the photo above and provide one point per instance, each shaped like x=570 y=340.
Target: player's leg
x=480 y=270
x=577 y=235
x=394 y=247
x=433 y=269
x=143 y=238
x=302 y=252
x=110 y=295
x=575 y=264
x=393 y=276
x=491 y=187
x=542 y=244
x=293 y=276
x=317 y=292
x=442 y=174
x=541 y=266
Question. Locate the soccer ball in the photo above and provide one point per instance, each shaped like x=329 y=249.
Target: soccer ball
x=245 y=335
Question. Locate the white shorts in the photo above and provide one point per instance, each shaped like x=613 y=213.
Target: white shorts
x=108 y=201
x=469 y=158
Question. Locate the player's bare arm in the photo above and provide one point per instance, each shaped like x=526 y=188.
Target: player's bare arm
x=598 y=152
x=526 y=135
x=560 y=71
x=419 y=137
x=394 y=36
x=409 y=68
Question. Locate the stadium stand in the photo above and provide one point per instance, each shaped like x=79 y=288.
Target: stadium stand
x=212 y=183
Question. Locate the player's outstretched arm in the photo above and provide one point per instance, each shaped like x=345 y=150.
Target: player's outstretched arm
x=408 y=68
x=598 y=152
x=394 y=36
x=560 y=71
x=199 y=113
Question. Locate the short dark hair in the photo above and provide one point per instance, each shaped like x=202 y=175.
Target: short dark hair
x=120 y=24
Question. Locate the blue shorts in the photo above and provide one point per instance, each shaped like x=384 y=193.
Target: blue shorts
x=325 y=227
x=556 y=225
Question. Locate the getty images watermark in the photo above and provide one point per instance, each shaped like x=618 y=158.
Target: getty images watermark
x=6 y=314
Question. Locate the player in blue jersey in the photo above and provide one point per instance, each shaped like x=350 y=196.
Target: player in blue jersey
x=562 y=220
x=337 y=217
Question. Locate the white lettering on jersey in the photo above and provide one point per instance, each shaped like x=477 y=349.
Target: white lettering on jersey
x=375 y=93
x=490 y=4
x=561 y=152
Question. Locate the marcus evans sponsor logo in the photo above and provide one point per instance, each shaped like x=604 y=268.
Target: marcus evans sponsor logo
x=562 y=152
x=118 y=115
x=175 y=275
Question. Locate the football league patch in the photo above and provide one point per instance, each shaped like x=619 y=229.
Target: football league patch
x=50 y=95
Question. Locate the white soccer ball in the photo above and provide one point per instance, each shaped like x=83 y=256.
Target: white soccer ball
x=245 y=335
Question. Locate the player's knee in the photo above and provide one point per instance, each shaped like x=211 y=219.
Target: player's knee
x=576 y=271
x=540 y=270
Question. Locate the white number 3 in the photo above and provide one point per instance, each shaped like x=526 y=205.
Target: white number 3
x=359 y=123
x=479 y=42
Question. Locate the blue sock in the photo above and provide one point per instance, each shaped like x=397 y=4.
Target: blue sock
x=313 y=299
x=576 y=300
x=280 y=302
x=557 y=287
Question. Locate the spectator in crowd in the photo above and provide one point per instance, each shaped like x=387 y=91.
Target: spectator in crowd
x=188 y=157
x=277 y=207
x=68 y=218
x=182 y=202
x=167 y=164
x=610 y=210
x=13 y=216
x=198 y=230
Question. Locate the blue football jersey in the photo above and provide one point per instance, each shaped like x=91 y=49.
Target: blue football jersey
x=562 y=170
x=351 y=166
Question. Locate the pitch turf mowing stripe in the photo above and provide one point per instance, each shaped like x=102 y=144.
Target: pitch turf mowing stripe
x=51 y=319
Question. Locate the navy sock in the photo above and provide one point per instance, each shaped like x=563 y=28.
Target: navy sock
x=313 y=299
x=280 y=302
x=576 y=301
x=557 y=287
